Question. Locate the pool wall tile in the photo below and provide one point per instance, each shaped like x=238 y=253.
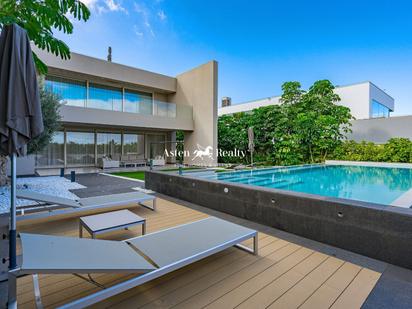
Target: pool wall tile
x=369 y=229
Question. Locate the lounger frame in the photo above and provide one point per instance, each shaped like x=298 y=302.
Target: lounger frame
x=47 y=211
x=139 y=280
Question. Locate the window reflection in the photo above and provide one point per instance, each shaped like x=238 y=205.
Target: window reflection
x=70 y=92
x=103 y=97
x=133 y=146
x=156 y=144
x=138 y=102
x=53 y=154
x=80 y=148
x=109 y=145
x=379 y=110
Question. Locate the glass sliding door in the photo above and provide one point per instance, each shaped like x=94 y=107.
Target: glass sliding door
x=156 y=144
x=53 y=154
x=138 y=102
x=104 y=97
x=70 y=92
x=133 y=144
x=80 y=148
x=109 y=145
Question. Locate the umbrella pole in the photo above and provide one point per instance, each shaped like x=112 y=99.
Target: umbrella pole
x=12 y=237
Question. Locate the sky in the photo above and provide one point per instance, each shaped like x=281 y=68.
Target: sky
x=258 y=44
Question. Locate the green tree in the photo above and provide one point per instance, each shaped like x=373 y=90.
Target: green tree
x=305 y=127
x=40 y=18
x=320 y=123
x=50 y=104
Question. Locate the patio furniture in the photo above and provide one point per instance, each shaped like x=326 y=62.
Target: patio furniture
x=110 y=221
x=158 y=161
x=105 y=163
x=151 y=255
x=132 y=160
x=54 y=205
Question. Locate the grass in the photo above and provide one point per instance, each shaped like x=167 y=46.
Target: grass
x=135 y=175
x=140 y=174
x=176 y=169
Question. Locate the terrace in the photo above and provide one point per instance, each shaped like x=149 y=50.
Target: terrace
x=289 y=272
x=285 y=273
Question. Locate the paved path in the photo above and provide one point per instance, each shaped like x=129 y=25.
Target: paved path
x=98 y=184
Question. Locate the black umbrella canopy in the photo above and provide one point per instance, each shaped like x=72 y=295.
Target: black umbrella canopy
x=20 y=110
x=20 y=119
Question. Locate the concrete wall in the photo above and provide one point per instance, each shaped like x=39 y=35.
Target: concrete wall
x=356 y=97
x=25 y=166
x=86 y=65
x=99 y=117
x=380 y=232
x=198 y=88
x=379 y=130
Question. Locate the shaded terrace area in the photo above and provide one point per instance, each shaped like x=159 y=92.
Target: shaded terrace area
x=289 y=272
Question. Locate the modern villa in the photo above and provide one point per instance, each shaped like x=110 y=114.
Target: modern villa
x=365 y=100
x=127 y=114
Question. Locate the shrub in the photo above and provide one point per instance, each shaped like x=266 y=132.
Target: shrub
x=395 y=150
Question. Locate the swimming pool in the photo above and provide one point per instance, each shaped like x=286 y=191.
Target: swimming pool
x=382 y=185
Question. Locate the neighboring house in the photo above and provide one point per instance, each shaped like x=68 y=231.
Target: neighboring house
x=370 y=105
x=116 y=111
x=365 y=100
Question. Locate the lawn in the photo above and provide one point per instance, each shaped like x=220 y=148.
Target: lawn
x=135 y=175
x=140 y=174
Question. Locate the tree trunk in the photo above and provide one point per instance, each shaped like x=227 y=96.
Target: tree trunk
x=3 y=172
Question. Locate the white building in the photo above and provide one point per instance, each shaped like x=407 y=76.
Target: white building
x=365 y=100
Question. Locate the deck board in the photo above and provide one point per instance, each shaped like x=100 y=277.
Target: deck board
x=283 y=275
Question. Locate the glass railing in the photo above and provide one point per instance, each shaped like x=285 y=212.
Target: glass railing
x=155 y=108
x=164 y=109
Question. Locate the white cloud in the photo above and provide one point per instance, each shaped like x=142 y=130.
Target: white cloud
x=137 y=31
x=112 y=5
x=91 y=4
x=145 y=15
x=161 y=15
x=104 y=6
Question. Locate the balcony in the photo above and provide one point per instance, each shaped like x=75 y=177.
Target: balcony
x=153 y=115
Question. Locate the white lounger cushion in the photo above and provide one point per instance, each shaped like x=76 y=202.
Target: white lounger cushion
x=57 y=254
x=187 y=241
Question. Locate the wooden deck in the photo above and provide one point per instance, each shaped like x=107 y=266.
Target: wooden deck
x=283 y=275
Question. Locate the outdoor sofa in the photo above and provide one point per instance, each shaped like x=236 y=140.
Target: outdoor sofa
x=54 y=205
x=150 y=256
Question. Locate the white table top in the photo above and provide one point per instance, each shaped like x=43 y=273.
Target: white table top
x=111 y=219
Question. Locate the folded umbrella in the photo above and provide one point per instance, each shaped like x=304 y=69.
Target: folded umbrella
x=20 y=117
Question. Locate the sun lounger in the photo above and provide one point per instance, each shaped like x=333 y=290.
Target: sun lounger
x=151 y=256
x=53 y=205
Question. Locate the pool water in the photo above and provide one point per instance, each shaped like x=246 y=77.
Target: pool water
x=380 y=185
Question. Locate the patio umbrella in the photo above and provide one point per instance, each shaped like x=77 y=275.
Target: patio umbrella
x=20 y=113
x=251 y=137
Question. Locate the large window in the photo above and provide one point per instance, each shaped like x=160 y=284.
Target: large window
x=138 y=102
x=69 y=91
x=103 y=97
x=109 y=145
x=80 y=148
x=156 y=144
x=379 y=110
x=133 y=144
x=53 y=153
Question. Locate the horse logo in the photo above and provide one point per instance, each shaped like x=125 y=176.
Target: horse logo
x=201 y=152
